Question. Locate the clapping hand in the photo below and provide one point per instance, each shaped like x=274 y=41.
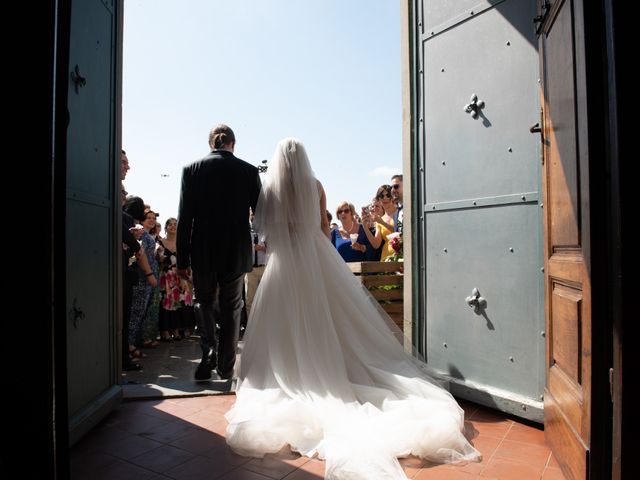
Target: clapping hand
x=359 y=247
x=137 y=231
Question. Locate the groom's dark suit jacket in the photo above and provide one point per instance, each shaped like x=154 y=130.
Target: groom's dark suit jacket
x=213 y=223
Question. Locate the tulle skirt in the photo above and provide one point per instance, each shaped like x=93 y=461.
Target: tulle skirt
x=322 y=372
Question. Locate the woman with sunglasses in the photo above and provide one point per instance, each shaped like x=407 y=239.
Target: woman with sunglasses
x=384 y=224
x=350 y=251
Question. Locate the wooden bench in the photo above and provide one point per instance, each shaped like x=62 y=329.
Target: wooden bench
x=374 y=275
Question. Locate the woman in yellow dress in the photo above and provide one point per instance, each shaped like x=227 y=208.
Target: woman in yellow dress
x=384 y=224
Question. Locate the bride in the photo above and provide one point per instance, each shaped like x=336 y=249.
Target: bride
x=321 y=370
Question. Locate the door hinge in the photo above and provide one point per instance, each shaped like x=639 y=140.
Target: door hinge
x=611 y=383
x=539 y=19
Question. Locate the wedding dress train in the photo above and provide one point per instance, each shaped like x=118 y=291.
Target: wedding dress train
x=321 y=370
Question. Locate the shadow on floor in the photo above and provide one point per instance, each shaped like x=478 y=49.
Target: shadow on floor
x=179 y=438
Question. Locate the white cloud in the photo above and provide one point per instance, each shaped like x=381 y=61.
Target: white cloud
x=384 y=172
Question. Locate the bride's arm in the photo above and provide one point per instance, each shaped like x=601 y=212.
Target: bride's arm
x=324 y=221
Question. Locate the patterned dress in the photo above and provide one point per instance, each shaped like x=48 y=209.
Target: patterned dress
x=142 y=293
x=176 y=296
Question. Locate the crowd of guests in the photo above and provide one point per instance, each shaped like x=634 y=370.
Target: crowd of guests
x=158 y=303
x=367 y=236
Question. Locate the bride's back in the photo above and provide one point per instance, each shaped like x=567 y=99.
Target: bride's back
x=289 y=201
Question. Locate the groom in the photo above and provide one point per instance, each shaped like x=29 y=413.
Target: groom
x=215 y=243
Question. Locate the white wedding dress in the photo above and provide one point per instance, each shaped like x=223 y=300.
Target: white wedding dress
x=321 y=370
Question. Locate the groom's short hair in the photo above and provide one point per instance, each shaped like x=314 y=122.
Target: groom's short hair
x=221 y=135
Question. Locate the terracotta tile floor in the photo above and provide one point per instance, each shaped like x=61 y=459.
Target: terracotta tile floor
x=183 y=438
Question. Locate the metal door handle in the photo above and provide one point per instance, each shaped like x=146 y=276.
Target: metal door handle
x=78 y=80
x=474 y=106
x=76 y=314
x=475 y=301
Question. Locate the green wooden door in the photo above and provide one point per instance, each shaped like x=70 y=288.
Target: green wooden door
x=92 y=210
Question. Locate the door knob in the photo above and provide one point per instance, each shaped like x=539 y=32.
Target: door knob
x=76 y=314
x=78 y=80
x=475 y=301
x=474 y=106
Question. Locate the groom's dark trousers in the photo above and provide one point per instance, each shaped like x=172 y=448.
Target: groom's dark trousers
x=226 y=291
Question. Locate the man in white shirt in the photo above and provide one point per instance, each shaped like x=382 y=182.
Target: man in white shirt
x=396 y=191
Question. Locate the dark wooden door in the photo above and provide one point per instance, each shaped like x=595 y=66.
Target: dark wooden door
x=567 y=399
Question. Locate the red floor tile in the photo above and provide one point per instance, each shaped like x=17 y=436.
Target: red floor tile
x=444 y=472
x=162 y=459
x=411 y=466
x=276 y=466
x=528 y=453
x=524 y=433
x=510 y=470
x=242 y=474
x=553 y=474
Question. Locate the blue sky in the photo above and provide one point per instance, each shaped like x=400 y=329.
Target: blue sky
x=324 y=71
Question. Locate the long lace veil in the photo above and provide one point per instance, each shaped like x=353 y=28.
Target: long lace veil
x=288 y=207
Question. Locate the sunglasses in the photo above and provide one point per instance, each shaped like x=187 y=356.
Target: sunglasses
x=382 y=195
x=395 y=186
x=343 y=210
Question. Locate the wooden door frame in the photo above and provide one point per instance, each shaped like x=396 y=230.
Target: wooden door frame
x=596 y=100
x=617 y=127
x=601 y=24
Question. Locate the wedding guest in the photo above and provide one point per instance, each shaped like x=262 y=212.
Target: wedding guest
x=385 y=224
x=397 y=191
x=350 y=240
x=176 y=293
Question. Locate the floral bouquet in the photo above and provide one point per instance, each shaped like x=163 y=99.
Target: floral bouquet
x=395 y=240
